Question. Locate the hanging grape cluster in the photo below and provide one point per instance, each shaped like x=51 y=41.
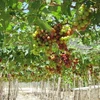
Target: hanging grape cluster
x=45 y=37
x=82 y=18
x=59 y=34
x=66 y=59
x=57 y=69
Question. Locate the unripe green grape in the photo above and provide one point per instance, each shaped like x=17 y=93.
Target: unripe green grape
x=82 y=25
x=35 y=33
x=34 y=45
x=86 y=13
x=85 y=22
x=65 y=38
x=80 y=13
x=62 y=39
x=82 y=7
x=84 y=17
x=65 y=28
x=75 y=23
x=79 y=27
x=90 y=11
x=79 y=18
x=62 y=31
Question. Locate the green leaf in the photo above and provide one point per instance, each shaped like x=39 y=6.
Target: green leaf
x=2 y=4
x=31 y=19
x=53 y=8
x=1 y=39
x=35 y=5
x=65 y=7
x=5 y=19
x=10 y=2
x=10 y=27
x=43 y=24
x=19 y=5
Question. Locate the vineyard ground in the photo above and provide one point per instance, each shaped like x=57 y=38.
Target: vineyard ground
x=89 y=93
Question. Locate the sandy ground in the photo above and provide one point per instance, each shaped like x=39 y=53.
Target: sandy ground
x=27 y=94
x=39 y=94
x=22 y=96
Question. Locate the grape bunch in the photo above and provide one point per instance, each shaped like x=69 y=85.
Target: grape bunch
x=44 y=37
x=66 y=59
x=58 y=35
x=56 y=70
x=61 y=59
x=66 y=30
x=82 y=18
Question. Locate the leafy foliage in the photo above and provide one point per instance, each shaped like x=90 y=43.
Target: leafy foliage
x=35 y=38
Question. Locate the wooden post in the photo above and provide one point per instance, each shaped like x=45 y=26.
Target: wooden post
x=90 y=79
x=1 y=89
x=58 y=88
x=9 y=87
x=15 y=89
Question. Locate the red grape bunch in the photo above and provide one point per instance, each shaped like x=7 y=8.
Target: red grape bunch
x=66 y=59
